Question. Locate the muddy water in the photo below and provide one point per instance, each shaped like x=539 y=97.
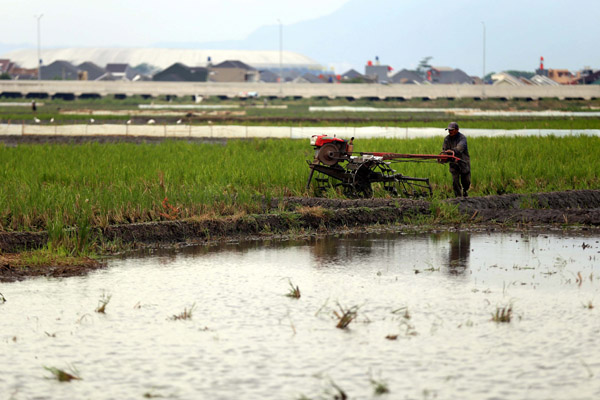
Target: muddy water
x=434 y=294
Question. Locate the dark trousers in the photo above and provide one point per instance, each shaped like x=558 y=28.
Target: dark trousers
x=460 y=183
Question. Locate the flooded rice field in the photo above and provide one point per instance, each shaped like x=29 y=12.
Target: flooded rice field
x=433 y=316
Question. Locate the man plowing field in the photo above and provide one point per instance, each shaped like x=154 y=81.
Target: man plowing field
x=337 y=166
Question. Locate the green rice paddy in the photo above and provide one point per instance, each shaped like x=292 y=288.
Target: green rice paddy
x=50 y=187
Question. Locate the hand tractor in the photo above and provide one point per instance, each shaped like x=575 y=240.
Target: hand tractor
x=338 y=166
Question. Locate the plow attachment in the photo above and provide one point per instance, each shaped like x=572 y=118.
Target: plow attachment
x=335 y=166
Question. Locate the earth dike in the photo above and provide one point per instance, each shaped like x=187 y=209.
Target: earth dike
x=303 y=216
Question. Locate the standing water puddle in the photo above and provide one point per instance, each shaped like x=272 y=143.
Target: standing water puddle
x=423 y=329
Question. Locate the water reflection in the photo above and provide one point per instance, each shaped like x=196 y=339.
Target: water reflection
x=460 y=249
x=328 y=250
x=457 y=260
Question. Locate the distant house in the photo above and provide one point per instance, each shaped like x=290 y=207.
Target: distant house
x=290 y=75
x=562 y=76
x=233 y=71
x=117 y=72
x=543 y=80
x=268 y=76
x=181 y=73
x=59 y=70
x=448 y=75
x=13 y=71
x=308 y=78
x=90 y=71
x=379 y=73
x=406 y=76
x=352 y=74
x=6 y=66
x=586 y=77
x=506 y=79
x=24 y=73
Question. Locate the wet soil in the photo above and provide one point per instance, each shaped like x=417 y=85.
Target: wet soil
x=13 y=268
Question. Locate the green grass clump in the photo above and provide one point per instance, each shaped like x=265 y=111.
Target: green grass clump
x=61 y=375
x=102 y=303
x=503 y=314
x=294 y=291
x=345 y=316
x=185 y=314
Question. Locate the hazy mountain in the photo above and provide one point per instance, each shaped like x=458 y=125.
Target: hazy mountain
x=402 y=32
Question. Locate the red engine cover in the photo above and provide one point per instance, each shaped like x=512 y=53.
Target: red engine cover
x=324 y=139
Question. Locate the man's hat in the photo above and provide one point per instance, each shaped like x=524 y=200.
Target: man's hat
x=452 y=125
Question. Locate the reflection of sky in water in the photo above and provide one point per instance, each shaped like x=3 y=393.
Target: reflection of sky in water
x=247 y=340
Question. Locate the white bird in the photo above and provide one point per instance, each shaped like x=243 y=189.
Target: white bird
x=151 y=121
x=128 y=121
x=37 y=120
x=92 y=120
x=51 y=120
x=179 y=121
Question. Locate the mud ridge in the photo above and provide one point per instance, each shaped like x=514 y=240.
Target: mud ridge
x=300 y=214
x=10 y=271
x=320 y=220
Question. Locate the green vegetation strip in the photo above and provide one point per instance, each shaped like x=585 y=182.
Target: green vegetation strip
x=297 y=112
x=69 y=190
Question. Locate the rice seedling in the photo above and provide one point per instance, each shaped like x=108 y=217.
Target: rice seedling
x=2 y=298
x=102 y=303
x=63 y=376
x=345 y=316
x=589 y=305
x=379 y=387
x=185 y=314
x=339 y=393
x=151 y=395
x=402 y=311
x=503 y=314
x=294 y=291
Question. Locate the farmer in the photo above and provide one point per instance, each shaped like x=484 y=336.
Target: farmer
x=456 y=143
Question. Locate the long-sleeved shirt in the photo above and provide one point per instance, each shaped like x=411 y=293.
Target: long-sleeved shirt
x=458 y=143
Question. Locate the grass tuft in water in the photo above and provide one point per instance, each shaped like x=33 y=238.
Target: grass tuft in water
x=379 y=387
x=294 y=291
x=185 y=314
x=345 y=316
x=503 y=314
x=102 y=303
x=150 y=395
x=2 y=298
x=589 y=305
x=63 y=376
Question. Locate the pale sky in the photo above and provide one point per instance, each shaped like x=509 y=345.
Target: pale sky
x=139 y=23
x=400 y=32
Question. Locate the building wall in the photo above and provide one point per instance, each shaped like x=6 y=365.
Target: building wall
x=297 y=90
x=227 y=75
x=380 y=71
x=561 y=76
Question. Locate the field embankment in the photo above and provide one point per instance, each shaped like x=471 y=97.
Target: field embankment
x=302 y=216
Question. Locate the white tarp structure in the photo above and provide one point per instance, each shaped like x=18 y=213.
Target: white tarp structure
x=163 y=58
